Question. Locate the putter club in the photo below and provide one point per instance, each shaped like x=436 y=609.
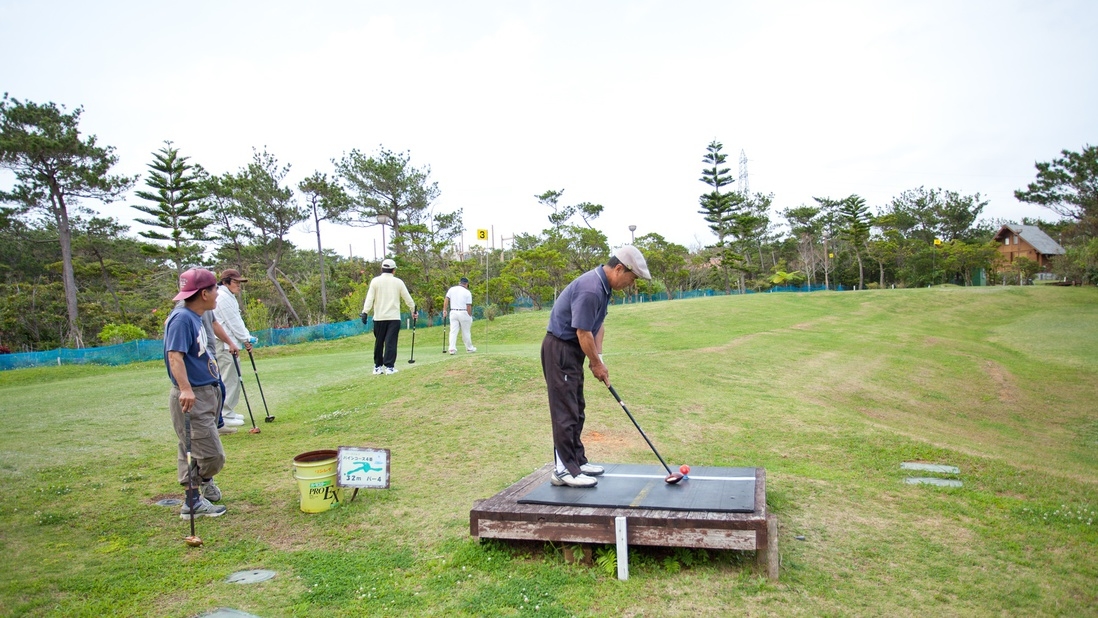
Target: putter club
x=193 y=540
x=444 y=348
x=269 y=419
x=412 y=358
x=672 y=477
x=236 y=362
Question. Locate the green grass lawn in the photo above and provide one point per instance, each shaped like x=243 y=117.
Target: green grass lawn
x=830 y=392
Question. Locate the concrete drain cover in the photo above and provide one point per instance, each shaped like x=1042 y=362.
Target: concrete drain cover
x=169 y=502
x=250 y=577
x=925 y=467
x=224 y=612
x=932 y=481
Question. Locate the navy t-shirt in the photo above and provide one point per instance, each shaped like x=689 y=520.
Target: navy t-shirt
x=582 y=305
x=184 y=333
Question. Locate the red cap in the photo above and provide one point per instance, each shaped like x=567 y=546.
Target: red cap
x=194 y=280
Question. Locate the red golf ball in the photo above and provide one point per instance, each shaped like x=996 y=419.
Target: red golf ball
x=684 y=469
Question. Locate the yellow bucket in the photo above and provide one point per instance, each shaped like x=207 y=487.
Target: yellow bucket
x=315 y=472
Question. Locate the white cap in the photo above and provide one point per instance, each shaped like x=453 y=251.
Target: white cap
x=633 y=260
x=387 y=263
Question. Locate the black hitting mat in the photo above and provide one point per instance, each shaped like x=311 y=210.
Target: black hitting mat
x=727 y=490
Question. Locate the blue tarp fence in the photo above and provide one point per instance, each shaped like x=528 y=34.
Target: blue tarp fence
x=153 y=349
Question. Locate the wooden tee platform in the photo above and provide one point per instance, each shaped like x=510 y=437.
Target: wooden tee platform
x=502 y=517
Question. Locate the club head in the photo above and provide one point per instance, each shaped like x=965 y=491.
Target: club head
x=193 y=541
x=673 y=478
x=411 y=361
x=254 y=430
x=269 y=419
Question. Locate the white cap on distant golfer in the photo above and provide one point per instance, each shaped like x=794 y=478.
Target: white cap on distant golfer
x=633 y=260
x=387 y=263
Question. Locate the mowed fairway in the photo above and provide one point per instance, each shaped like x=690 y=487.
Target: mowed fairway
x=830 y=392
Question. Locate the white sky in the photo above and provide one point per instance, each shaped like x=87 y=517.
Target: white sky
x=612 y=101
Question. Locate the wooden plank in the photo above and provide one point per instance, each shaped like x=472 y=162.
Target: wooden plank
x=604 y=533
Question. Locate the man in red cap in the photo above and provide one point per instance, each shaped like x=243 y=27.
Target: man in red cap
x=196 y=392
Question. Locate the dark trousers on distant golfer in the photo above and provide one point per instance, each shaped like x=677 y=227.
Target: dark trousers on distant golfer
x=206 y=447
x=562 y=366
x=385 y=342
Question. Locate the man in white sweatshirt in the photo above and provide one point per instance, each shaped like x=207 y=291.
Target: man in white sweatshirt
x=383 y=299
x=228 y=314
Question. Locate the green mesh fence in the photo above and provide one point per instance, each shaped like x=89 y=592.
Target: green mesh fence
x=153 y=349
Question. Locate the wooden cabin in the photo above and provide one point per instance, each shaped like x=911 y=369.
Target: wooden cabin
x=1027 y=241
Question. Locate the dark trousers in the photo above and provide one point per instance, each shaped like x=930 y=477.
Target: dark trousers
x=562 y=366
x=385 y=342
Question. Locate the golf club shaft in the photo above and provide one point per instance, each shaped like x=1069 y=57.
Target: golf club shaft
x=652 y=446
x=412 y=357
x=260 y=384
x=191 y=465
x=445 y=348
x=236 y=362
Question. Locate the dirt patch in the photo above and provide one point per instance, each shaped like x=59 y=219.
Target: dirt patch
x=1005 y=384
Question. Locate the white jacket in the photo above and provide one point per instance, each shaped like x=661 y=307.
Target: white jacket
x=228 y=313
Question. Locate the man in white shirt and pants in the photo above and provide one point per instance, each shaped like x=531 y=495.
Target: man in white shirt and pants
x=459 y=302
x=383 y=298
x=228 y=314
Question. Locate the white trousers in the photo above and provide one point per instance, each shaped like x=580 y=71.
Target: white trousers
x=230 y=377
x=461 y=320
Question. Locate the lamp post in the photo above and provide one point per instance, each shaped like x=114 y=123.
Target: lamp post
x=632 y=228
x=384 y=220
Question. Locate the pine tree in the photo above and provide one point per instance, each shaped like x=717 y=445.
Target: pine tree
x=178 y=208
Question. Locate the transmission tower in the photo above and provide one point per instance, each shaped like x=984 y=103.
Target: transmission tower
x=743 y=173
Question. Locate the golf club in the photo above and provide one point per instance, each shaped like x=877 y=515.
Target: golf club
x=193 y=540
x=269 y=419
x=236 y=362
x=445 y=349
x=412 y=358
x=672 y=477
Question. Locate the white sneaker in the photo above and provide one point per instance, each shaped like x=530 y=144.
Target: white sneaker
x=390 y=370
x=572 y=481
x=378 y=370
x=470 y=349
x=233 y=422
x=591 y=469
x=228 y=415
x=453 y=351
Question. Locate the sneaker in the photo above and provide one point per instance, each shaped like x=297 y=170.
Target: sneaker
x=233 y=422
x=591 y=469
x=211 y=491
x=453 y=351
x=378 y=370
x=391 y=370
x=204 y=509
x=229 y=415
x=224 y=431
x=559 y=479
x=470 y=349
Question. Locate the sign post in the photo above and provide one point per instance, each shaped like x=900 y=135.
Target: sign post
x=360 y=467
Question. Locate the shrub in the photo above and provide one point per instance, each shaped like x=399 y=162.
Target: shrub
x=120 y=333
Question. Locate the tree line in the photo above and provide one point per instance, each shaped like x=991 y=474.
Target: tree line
x=72 y=277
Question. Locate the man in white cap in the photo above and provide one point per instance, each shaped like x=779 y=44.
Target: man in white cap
x=383 y=298
x=459 y=302
x=575 y=333
x=228 y=314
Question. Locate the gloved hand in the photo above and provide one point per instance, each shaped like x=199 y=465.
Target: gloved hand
x=364 y=318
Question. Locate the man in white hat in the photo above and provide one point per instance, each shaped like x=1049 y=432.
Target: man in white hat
x=575 y=333
x=383 y=298
x=459 y=303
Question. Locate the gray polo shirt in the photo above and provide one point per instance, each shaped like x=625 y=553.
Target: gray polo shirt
x=582 y=305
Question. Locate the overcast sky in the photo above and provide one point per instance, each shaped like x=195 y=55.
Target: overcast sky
x=613 y=102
